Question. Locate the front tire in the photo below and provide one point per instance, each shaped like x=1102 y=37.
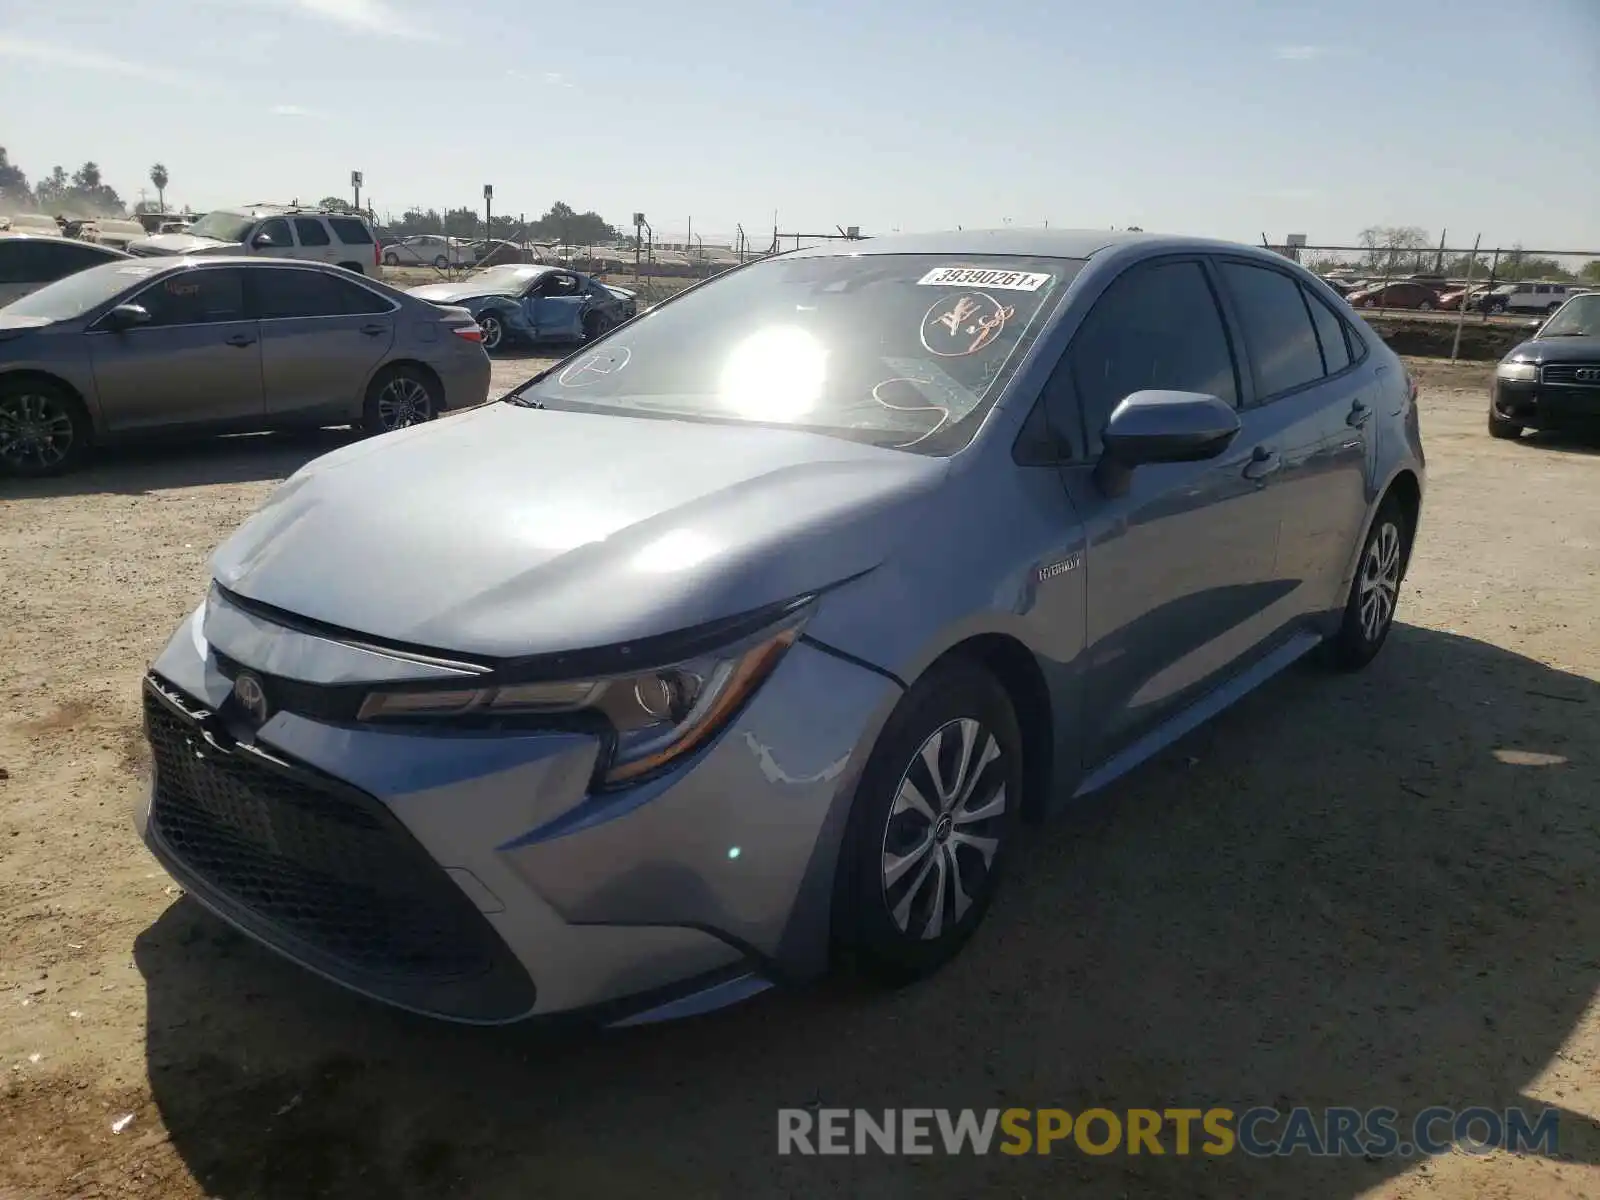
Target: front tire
x=1375 y=590
x=441 y=262
x=44 y=429
x=391 y=260
x=1425 y=306
x=596 y=325
x=399 y=397
x=931 y=826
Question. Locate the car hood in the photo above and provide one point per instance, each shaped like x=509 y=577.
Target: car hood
x=450 y=293
x=176 y=243
x=619 y=293
x=1559 y=349
x=511 y=531
x=15 y=327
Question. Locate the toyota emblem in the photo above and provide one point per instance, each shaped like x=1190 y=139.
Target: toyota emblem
x=252 y=697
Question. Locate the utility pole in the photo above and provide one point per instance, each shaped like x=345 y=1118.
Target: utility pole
x=488 y=211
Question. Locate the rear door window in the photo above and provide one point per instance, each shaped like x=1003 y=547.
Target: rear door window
x=288 y=293
x=310 y=232
x=1278 y=333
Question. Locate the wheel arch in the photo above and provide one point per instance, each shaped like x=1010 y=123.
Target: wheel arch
x=36 y=376
x=416 y=364
x=1405 y=486
x=1017 y=670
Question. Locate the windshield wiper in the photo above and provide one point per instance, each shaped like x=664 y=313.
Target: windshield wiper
x=1571 y=333
x=522 y=401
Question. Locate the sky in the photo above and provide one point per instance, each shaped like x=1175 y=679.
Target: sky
x=1223 y=118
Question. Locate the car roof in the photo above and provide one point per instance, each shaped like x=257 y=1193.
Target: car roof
x=1031 y=243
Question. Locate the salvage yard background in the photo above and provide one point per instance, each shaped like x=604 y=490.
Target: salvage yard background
x=1367 y=890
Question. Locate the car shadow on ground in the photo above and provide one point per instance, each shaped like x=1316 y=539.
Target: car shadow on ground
x=1367 y=890
x=137 y=468
x=1564 y=441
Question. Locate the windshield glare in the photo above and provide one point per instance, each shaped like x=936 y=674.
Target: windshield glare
x=901 y=350
x=77 y=294
x=1579 y=317
x=222 y=226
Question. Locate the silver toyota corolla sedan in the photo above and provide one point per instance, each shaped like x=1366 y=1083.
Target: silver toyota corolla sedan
x=741 y=643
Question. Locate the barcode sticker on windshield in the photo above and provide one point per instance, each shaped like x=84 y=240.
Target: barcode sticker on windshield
x=1015 y=281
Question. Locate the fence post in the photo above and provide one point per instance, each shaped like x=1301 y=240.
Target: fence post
x=1466 y=295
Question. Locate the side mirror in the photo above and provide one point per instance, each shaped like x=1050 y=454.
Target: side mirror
x=126 y=316
x=262 y=241
x=1162 y=427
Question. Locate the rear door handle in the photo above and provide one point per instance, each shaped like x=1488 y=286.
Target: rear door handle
x=241 y=340
x=374 y=330
x=1263 y=462
x=1359 y=414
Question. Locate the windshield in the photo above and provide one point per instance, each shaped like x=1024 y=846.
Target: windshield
x=222 y=226
x=77 y=294
x=901 y=350
x=1579 y=317
x=507 y=278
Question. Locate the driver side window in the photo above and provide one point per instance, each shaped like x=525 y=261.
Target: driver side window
x=1156 y=326
x=558 y=285
x=278 y=230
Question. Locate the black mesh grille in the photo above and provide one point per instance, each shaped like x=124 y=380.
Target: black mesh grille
x=326 y=873
x=1568 y=373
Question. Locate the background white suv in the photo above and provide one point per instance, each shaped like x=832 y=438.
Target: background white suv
x=1529 y=297
x=274 y=231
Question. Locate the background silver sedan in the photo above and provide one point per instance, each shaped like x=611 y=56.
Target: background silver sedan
x=145 y=347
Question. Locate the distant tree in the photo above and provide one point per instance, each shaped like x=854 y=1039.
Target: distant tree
x=149 y=206
x=462 y=223
x=572 y=228
x=1518 y=266
x=1591 y=272
x=334 y=204
x=14 y=187
x=1395 y=248
x=89 y=191
x=51 y=191
x=159 y=178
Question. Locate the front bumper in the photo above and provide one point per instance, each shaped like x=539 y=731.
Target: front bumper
x=1546 y=405
x=475 y=877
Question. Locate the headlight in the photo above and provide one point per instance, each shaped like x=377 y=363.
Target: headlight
x=657 y=716
x=1517 y=372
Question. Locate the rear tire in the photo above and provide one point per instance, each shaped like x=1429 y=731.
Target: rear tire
x=1503 y=427
x=494 y=331
x=1375 y=590
x=391 y=260
x=1425 y=306
x=923 y=853
x=44 y=429
x=596 y=325
x=399 y=397
x=441 y=262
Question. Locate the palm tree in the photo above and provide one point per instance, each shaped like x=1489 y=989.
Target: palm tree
x=158 y=176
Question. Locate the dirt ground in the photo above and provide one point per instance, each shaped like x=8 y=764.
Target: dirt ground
x=1367 y=890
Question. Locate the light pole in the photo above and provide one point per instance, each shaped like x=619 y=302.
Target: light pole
x=355 y=183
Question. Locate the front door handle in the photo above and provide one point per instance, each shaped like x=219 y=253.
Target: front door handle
x=374 y=330
x=1359 y=414
x=241 y=340
x=1263 y=462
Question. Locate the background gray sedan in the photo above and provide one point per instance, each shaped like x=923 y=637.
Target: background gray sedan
x=141 y=348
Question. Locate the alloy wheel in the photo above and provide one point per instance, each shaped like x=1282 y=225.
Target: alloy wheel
x=403 y=401
x=944 y=828
x=1380 y=581
x=35 y=432
x=493 y=331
